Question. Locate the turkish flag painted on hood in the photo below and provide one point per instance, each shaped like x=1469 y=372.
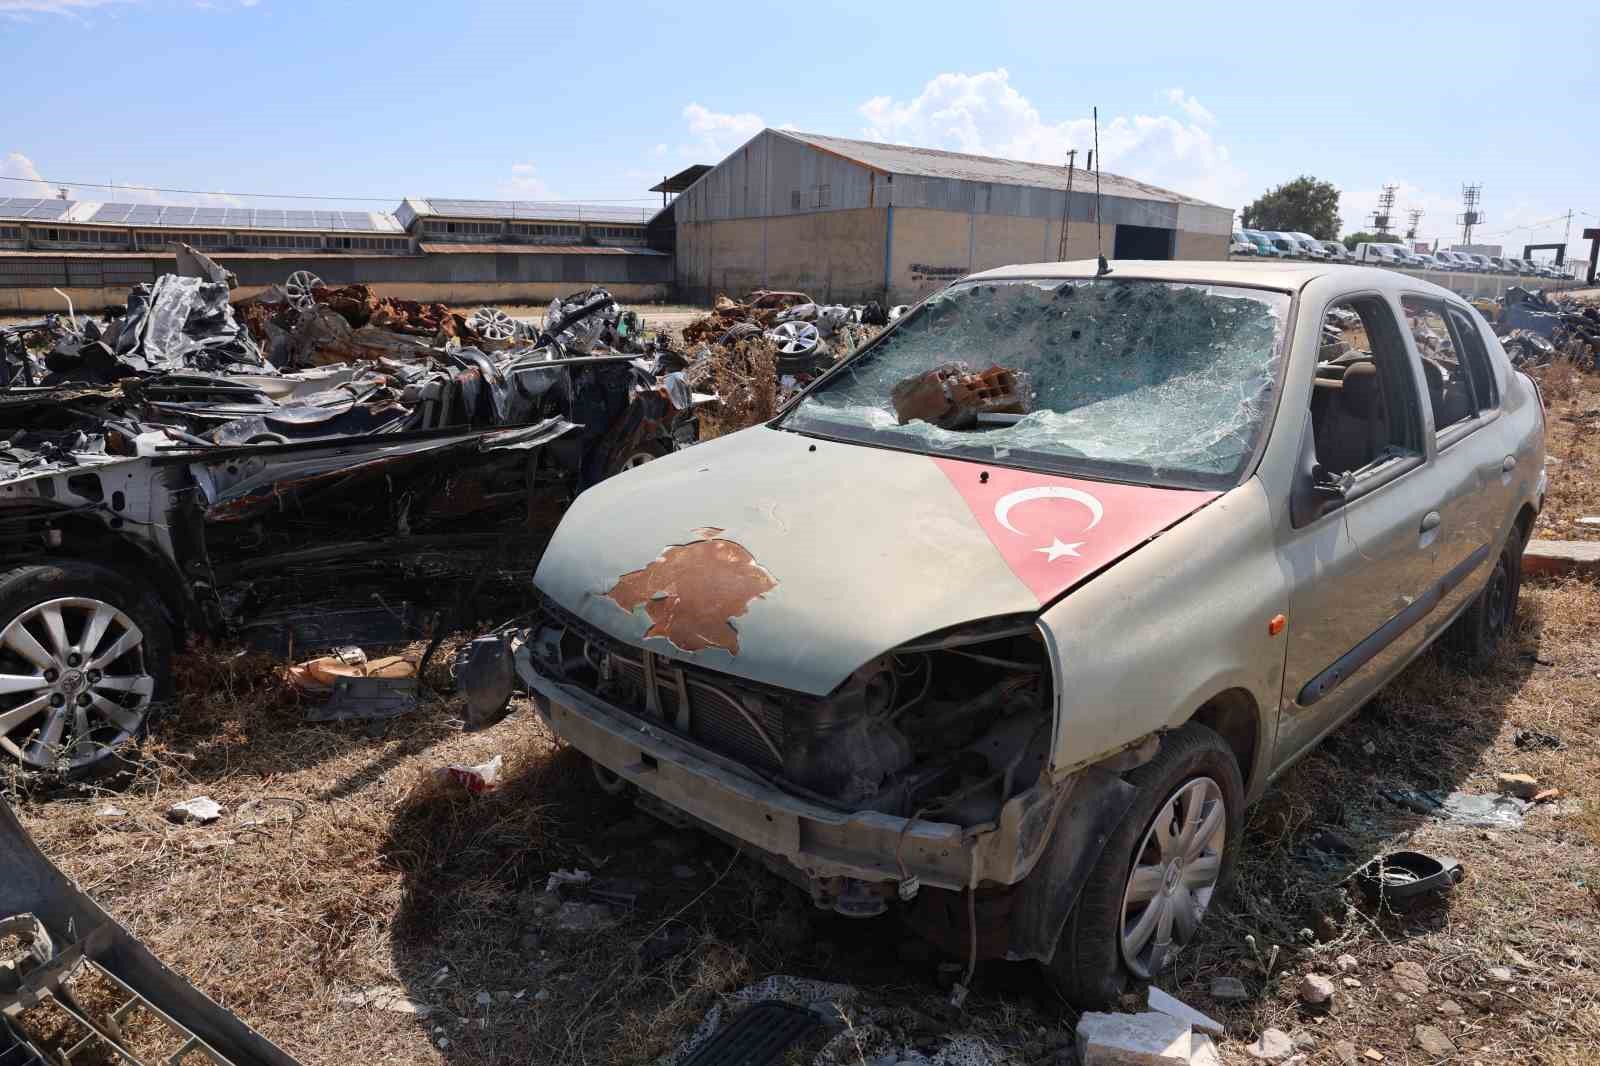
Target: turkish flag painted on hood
x=1055 y=531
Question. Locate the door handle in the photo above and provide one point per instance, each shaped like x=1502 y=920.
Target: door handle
x=1430 y=521
x=1509 y=465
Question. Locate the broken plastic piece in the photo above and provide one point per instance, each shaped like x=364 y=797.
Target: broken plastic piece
x=484 y=777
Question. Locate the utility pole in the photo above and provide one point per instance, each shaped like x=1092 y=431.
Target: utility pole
x=1066 y=206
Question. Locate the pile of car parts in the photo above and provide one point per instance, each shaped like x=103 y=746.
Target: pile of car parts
x=80 y=988
x=368 y=471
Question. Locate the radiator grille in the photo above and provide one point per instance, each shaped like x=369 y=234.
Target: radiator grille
x=716 y=717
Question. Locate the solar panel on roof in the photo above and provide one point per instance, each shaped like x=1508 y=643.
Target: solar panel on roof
x=48 y=209
x=145 y=214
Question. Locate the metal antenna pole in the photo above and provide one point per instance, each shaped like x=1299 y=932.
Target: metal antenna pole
x=1098 y=254
x=1066 y=207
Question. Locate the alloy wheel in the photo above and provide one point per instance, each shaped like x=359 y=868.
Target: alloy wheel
x=73 y=682
x=1174 y=875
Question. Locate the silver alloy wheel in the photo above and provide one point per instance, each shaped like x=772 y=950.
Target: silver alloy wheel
x=1174 y=875
x=299 y=289
x=83 y=686
x=638 y=458
x=492 y=324
x=796 y=338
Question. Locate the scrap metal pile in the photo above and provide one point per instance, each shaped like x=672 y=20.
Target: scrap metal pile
x=316 y=467
x=1535 y=329
x=754 y=355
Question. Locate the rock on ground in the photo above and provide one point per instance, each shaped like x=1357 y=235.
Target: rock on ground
x=1315 y=989
x=1410 y=977
x=1272 y=1046
x=1228 y=990
x=1433 y=1041
x=1175 y=1008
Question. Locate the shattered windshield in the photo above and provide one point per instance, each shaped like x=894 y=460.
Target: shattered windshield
x=1144 y=381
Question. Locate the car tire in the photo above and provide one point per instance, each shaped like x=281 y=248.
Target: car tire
x=124 y=691
x=1477 y=634
x=1090 y=967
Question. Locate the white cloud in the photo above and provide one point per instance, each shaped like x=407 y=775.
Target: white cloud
x=984 y=114
x=21 y=9
x=717 y=133
x=525 y=184
x=17 y=165
x=1190 y=106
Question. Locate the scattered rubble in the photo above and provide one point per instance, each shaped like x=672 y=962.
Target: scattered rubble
x=202 y=810
x=1149 y=1039
x=1432 y=1040
x=1464 y=809
x=1272 y=1045
x=1410 y=977
x=1523 y=786
x=1176 y=1008
x=1229 y=990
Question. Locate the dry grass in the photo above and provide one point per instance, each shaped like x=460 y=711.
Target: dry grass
x=1572 y=422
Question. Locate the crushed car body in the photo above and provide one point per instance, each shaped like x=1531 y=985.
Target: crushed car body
x=1018 y=605
x=167 y=479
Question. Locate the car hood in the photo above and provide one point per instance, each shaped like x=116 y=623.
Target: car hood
x=792 y=561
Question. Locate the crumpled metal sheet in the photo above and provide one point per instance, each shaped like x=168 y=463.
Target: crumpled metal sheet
x=181 y=323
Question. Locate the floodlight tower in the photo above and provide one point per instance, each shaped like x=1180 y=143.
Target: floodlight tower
x=1470 y=215
x=1379 y=219
x=1413 y=216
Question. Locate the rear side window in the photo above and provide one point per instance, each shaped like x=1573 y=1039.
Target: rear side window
x=1474 y=357
x=1455 y=366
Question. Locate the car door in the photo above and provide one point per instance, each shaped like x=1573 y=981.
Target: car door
x=1361 y=552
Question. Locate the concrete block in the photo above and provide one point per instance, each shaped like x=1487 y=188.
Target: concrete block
x=1148 y=1039
x=1555 y=558
x=1173 y=1007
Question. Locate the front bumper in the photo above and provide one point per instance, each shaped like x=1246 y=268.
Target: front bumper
x=818 y=841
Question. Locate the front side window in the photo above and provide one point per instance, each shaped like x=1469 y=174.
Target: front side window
x=1133 y=380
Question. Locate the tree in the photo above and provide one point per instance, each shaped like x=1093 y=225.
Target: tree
x=1350 y=240
x=1304 y=205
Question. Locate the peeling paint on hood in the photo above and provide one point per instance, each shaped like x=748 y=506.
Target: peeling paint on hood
x=865 y=549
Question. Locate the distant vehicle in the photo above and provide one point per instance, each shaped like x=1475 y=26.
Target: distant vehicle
x=1263 y=244
x=1376 y=254
x=1241 y=245
x=1313 y=247
x=1449 y=260
x=1412 y=259
x=1501 y=264
x=1430 y=261
x=1481 y=261
x=1337 y=252
x=1517 y=265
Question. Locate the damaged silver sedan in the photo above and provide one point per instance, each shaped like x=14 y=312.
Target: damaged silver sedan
x=1005 y=619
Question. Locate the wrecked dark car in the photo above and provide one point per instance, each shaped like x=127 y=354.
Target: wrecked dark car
x=1002 y=622
x=166 y=480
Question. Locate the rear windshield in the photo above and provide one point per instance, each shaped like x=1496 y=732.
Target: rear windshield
x=1133 y=380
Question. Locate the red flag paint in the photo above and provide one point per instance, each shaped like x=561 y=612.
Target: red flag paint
x=1055 y=531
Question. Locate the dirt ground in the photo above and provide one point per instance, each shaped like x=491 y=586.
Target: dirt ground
x=344 y=876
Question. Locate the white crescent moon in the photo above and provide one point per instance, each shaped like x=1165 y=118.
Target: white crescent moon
x=1003 y=506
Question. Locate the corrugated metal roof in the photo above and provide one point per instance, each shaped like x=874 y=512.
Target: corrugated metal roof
x=189 y=217
x=453 y=248
x=525 y=210
x=935 y=163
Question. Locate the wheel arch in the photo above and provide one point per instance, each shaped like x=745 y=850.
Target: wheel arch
x=1234 y=715
x=85 y=539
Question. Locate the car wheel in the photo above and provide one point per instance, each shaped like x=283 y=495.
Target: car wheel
x=647 y=451
x=1159 y=871
x=1476 y=635
x=84 y=656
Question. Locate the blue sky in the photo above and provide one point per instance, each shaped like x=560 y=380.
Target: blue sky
x=598 y=102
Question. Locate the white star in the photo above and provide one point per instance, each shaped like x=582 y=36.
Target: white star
x=1057 y=549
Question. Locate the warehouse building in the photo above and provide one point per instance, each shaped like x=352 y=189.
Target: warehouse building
x=460 y=252
x=852 y=220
